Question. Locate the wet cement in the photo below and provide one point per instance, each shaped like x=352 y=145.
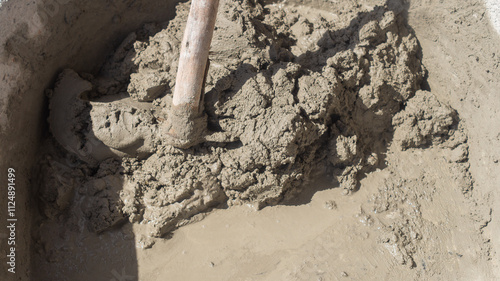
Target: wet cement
x=290 y=94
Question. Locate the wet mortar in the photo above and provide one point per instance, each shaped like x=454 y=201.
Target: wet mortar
x=292 y=95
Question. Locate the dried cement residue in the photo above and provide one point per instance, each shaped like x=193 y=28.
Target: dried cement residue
x=289 y=93
x=494 y=13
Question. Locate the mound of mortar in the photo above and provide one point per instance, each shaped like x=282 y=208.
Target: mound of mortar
x=288 y=93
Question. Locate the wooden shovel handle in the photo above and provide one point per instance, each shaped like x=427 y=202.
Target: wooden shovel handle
x=186 y=125
x=194 y=54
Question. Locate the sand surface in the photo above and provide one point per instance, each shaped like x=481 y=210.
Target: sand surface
x=343 y=143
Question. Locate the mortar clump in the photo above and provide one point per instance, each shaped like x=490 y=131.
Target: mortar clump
x=288 y=92
x=424 y=121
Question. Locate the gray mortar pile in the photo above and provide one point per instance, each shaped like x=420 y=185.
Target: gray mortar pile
x=287 y=95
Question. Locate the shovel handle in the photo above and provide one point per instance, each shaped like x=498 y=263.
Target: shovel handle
x=194 y=54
